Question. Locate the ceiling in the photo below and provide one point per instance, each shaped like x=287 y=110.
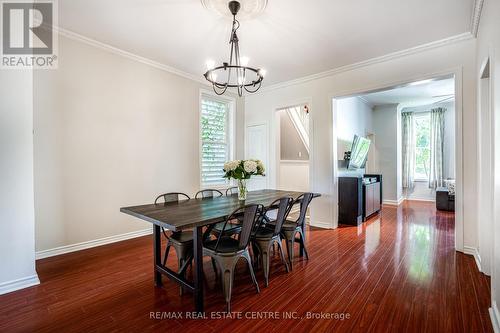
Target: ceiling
x=414 y=94
x=290 y=38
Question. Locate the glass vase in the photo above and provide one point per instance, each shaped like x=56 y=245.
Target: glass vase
x=242 y=189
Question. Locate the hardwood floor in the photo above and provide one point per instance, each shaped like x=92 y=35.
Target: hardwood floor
x=397 y=272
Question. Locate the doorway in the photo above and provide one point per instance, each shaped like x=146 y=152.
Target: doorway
x=393 y=140
x=293 y=148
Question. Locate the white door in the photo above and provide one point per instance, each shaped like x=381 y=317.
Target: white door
x=256 y=147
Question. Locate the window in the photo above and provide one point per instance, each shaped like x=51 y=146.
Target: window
x=216 y=139
x=422 y=146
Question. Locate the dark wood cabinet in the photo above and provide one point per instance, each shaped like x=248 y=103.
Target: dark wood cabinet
x=371 y=199
x=359 y=199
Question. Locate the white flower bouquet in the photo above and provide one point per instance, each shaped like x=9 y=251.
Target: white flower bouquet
x=242 y=170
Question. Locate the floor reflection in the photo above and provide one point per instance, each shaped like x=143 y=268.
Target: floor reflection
x=420 y=249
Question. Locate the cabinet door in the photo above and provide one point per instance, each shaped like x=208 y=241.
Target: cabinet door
x=376 y=197
x=369 y=200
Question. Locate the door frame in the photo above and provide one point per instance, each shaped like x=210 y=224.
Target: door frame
x=484 y=257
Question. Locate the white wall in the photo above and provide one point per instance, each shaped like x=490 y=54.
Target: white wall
x=110 y=132
x=385 y=127
x=294 y=176
x=354 y=117
x=488 y=44
x=17 y=226
x=458 y=56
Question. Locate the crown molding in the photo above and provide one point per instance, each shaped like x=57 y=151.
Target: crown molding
x=391 y=56
x=103 y=46
x=476 y=17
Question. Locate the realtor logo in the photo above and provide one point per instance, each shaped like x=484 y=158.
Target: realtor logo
x=28 y=37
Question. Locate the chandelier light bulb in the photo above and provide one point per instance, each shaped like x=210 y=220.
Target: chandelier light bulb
x=213 y=77
x=262 y=72
x=241 y=80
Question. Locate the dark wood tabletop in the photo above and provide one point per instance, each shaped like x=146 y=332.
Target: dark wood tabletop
x=198 y=212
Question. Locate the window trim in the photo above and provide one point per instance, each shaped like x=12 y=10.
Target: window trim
x=423 y=114
x=231 y=121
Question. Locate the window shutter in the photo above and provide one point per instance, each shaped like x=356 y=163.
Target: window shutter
x=214 y=139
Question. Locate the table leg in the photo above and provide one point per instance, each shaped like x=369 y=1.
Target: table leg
x=198 y=268
x=157 y=254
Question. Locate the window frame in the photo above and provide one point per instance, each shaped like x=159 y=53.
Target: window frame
x=419 y=115
x=231 y=137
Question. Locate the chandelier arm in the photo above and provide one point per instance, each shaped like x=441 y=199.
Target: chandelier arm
x=253 y=91
x=221 y=92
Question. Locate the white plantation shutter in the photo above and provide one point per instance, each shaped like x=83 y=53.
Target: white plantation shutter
x=215 y=140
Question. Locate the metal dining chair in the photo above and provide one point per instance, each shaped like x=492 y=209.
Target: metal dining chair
x=232 y=228
x=208 y=193
x=182 y=242
x=226 y=251
x=291 y=228
x=267 y=235
x=232 y=190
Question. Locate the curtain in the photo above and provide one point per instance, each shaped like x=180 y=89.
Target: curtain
x=437 y=148
x=408 y=149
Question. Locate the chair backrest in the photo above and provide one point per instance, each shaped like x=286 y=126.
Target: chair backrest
x=250 y=219
x=284 y=204
x=172 y=197
x=232 y=190
x=305 y=199
x=208 y=193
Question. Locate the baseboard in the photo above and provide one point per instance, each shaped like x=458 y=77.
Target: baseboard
x=393 y=202
x=25 y=282
x=475 y=253
x=93 y=243
x=320 y=224
x=420 y=199
x=494 y=317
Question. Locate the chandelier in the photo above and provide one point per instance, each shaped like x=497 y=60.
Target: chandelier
x=236 y=73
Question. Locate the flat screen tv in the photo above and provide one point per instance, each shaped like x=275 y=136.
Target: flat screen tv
x=359 y=152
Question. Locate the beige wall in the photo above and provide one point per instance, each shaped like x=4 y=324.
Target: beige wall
x=458 y=57
x=110 y=132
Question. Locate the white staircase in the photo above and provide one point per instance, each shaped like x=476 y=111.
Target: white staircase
x=300 y=120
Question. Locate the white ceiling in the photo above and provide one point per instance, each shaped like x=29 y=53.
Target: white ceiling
x=416 y=94
x=290 y=39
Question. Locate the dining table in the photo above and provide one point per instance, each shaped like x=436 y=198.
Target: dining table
x=195 y=215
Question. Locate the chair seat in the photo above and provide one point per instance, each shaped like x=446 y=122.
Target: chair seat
x=264 y=233
x=287 y=226
x=232 y=228
x=226 y=245
x=181 y=237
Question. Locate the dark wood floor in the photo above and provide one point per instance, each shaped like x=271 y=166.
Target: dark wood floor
x=398 y=272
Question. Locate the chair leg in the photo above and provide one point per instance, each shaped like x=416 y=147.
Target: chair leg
x=180 y=262
x=214 y=265
x=290 y=242
x=280 y=248
x=256 y=254
x=226 y=265
x=252 y=274
x=264 y=253
x=165 y=256
x=303 y=242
